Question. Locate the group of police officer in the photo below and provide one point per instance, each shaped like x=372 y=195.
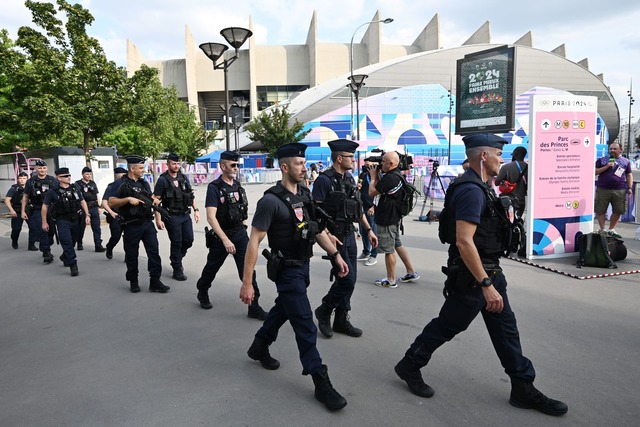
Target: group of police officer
x=473 y=222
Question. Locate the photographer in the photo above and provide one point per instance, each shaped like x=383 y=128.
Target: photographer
x=387 y=218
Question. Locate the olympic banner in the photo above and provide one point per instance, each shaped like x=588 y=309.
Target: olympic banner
x=561 y=191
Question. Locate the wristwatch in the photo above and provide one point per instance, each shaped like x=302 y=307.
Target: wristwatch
x=486 y=282
x=196 y=210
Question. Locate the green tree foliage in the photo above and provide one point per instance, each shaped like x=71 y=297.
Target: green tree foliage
x=272 y=129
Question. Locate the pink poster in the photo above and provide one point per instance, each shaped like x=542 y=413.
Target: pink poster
x=562 y=151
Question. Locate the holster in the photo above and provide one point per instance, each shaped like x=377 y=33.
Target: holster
x=460 y=279
x=335 y=268
x=209 y=237
x=274 y=261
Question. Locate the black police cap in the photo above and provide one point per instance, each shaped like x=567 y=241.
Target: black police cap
x=23 y=174
x=119 y=170
x=294 y=149
x=343 y=145
x=173 y=157
x=135 y=159
x=41 y=163
x=230 y=155
x=483 y=140
x=86 y=169
x=62 y=171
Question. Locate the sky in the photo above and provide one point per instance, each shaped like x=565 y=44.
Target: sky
x=605 y=32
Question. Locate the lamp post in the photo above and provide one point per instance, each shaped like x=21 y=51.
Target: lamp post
x=356 y=84
x=384 y=21
x=631 y=100
x=236 y=37
x=237 y=124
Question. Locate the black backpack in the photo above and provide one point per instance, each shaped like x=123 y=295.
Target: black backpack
x=599 y=250
x=409 y=199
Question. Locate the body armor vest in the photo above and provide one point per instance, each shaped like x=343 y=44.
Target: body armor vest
x=16 y=199
x=89 y=192
x=128 y=211
x=235 y=208
x=178 y=197
x=67 y=204
x=38 y=189
x=343 y=203
x=294 y=238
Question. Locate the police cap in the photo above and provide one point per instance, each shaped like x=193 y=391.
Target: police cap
x=343 y=145
x=173 y=157
x=483 y=140
x=41 y=163
x=23 y=174
x=119 y=170
x=62 y=171
x=86 y=169
x=135 y=159
x=230 y=155
x=294 y=149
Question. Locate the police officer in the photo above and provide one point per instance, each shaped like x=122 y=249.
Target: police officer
x=90 y=192
x=34 y=191
x=64 y=203
x=227 y=208
x=113 y=219
x=336 y=192
x=137 y=224
x=286 y=215
x=473 y=223
x=13 y=200
x=174 y=191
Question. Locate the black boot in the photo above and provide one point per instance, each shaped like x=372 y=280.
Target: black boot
x=74 y=269
x=135 y=288
x=63 y=258
x=325 y=392
x=342 y=325
x=109 y=252
x=179 y=275
x=259 y=351
x=323 y=314
x=255 y=311
x=14 y=243
x=100 y=248
x=80 y=247
x=203 y=297
x=32 y=247
x=47 y=258
x=410 y=373
x=524 y=395
x=157 y=286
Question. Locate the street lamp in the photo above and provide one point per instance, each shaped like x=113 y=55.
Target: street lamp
x=238 y=119
x=356 y=84
x=384 y=21
x=631 y=100
x=236 y=37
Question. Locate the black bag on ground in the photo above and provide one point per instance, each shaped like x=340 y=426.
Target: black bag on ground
x=599 y=250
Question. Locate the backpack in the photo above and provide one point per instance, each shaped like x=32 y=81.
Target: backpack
x=599 y=250
x=409 y=199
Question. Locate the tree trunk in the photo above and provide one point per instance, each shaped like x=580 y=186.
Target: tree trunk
x=85 y=146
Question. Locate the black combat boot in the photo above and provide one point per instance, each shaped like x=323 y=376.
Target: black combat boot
x=100 y=248
x=410 y=373
x=32 y=247
x=74 y=269
x=524 y=395
x=259 y=351
x=47 y=257
x=203 y=297
x=342 y=325
x=179 y=275
x=80 y=247
x=325 y=392
x=109 y=252
x=135 y=288
x=14 y=243
x=255 y=311
x=157 y=286
x=323 y=314
x=63 y=258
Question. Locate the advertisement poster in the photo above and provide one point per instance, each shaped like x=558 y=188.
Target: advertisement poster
x=562 y=152
x=485 y=91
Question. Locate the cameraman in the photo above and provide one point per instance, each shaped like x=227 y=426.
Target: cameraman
x=387 y=218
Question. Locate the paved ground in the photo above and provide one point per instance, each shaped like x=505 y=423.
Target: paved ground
x=85 y=352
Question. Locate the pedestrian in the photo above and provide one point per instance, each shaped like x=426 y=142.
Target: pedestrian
x=473 y=223
x=516 y=175
x=137 y=225
x=13 y=200
x=227 y=210
x=64 y=203
x=387 y=217
x=336 y=192
x=113 y=218
x=34 y=192
x=613 y=187
x=286 y=214
x=369 y=254
x=174 y=191
x=90 y=191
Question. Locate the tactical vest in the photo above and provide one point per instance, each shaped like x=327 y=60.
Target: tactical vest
x=492 y=234
x=16 y=199
x=67 y=204
x=89 y=192
x=38 y=189
x=294 y=238
x=129 y=212
x=234 y=208
x=178 y=197
x=342 y=203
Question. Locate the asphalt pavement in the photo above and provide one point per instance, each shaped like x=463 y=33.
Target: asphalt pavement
x=84 y=351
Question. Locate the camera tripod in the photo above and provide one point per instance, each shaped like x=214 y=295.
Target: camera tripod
x=433 y=180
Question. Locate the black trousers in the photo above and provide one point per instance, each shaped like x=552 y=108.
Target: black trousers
x=95 y=226
x=180 y=231
x=115 y=230
x=146 y=233
x=68 y=236
x=339 y=295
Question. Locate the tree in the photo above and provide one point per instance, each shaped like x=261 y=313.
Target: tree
x=272 y=129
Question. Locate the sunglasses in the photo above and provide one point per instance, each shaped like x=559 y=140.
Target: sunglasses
x=233 y=165
x=64 y=176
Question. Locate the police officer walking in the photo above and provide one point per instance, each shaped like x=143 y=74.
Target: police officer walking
x=174 y=191
x=473 y=222
x=64 y=203
x=90 y=192
x=34 y=191
x=227 y=208
x=113 y=219
x=13 y=200
x=336 y=192
x=137 y=224
x=286 y=214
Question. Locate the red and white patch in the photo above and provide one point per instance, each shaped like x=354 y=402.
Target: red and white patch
x=175 y=184
x=221 y=199
x=299 y=213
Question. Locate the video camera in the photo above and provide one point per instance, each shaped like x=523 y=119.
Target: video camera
x=406 y=160
x=435 y=163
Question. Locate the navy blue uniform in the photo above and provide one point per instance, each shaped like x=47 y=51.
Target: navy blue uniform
x=114 y=224
x=65 y=216
x=461 y=307
x=90 y=192
x=36 y=189
x=138 y=227
x=292 y=303
x=15 y=195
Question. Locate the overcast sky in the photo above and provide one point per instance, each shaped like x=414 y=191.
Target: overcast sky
x=605 y=32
